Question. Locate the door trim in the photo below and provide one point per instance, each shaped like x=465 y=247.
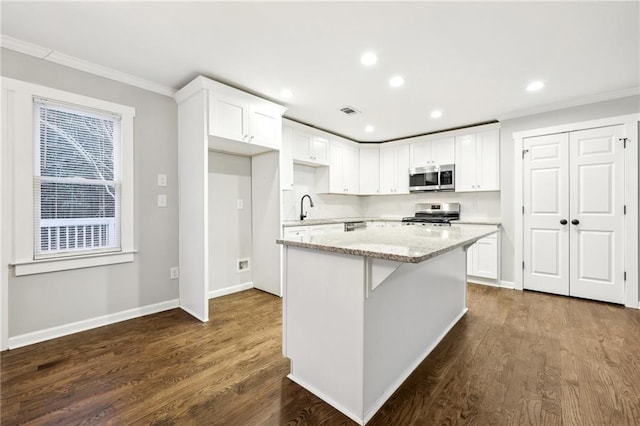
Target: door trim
x=631 y=123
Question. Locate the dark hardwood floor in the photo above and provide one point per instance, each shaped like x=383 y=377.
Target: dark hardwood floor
x=516 y=358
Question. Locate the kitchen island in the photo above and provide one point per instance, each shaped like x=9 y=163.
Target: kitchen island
x=363 y=309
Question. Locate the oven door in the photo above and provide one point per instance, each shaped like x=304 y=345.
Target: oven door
x=423 y=179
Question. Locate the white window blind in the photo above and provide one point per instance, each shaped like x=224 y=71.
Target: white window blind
x=76 y=182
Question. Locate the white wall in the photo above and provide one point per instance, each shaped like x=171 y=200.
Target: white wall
x=229 y=227
x=473 y=205
x=39 y=302
x=326 y=205
x=628 y=105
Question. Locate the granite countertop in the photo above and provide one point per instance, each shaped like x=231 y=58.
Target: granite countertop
x=329 y=221
x=409 y=244
x=310 y=222
x=471 y=221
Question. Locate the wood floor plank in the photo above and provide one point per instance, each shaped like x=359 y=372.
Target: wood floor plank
x=516 y=358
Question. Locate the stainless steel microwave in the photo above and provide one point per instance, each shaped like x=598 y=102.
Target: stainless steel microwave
x=432 y=178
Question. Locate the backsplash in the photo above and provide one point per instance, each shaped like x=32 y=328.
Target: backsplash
x=326 y=205
x=473 y=205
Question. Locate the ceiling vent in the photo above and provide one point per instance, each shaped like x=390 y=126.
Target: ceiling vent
x=349 y=110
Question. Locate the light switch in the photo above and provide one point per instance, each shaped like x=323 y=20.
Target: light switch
x=240 y=204
x=162 y=200
x=162 y=179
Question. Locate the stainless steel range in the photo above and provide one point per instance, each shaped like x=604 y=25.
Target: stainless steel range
x=434 y=213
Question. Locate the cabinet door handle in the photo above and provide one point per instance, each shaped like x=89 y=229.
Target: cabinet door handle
x=563 y=221
x=251 y=138
x=244 y=137
x=575 y=222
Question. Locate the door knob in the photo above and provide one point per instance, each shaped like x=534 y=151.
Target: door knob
x=575 y=222
x=563 y=221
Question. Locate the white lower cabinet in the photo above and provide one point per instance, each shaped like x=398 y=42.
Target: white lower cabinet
x=482 y=258
x=302 y=232
x=375 y=225
x=334 y=228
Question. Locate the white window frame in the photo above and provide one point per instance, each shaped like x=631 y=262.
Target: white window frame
x=19 y=118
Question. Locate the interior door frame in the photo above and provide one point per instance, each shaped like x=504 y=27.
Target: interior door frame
x=631 y=123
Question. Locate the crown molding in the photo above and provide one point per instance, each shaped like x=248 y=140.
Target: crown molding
x=82 y=65
x=585 y=100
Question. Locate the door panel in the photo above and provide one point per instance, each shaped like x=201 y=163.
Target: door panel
x=548 y=243
x=597 y=202
x=546 y=203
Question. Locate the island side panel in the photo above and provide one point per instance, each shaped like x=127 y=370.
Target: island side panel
x=324 y=303
x=405 y=318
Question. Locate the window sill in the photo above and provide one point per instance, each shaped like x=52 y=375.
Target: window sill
x=32 y=267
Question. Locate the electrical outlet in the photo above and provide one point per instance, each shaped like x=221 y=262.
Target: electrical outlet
x=174 y=273
x=244 y=265
x=240 y=204
x=162 y=200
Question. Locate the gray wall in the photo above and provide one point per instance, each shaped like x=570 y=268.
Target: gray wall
x=229 y=227
x=38 y=302
x=628 y=105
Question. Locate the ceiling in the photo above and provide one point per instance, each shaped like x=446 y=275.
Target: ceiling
x=470 y=60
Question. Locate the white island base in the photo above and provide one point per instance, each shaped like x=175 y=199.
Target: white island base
x=355 y=327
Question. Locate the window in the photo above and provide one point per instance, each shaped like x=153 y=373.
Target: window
x=76 y=184
x=71 y=164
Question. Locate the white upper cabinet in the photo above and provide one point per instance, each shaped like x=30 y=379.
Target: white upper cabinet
x=242 y=123
x=477 y=161
x=343 y=175
x=242 y=119
x=369 y=170
x=265 y=125
x=310 y=148
x=394 y=169
x=228 y=116
x=344 y=168
x=432 y=152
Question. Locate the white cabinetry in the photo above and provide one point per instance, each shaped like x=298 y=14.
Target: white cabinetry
x=432 y=152
x=310 y=149
x=482 y=258
x=343 y=174
x=369 y=170
x=477 y=162
x=303 y=232
x=216 y=117
x=240 y=117
x=394 y=169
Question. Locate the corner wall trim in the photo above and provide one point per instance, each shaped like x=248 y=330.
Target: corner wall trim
x=230 y=290
x=75 y=327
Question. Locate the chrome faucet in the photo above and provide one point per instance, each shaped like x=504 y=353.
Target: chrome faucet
x=302 y=213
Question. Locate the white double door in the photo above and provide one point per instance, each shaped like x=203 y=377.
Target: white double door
x=574 y=213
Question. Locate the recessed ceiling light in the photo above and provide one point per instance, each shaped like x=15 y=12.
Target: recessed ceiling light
x=368 y=59
x=535 y=86
x=396 y=81
x=436 y=113
x=286 y=93
x=369 y=129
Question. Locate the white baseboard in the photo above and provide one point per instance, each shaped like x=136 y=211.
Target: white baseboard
x=483 y=281
x=508 y=284
x=230 y=290
x=75 y=327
